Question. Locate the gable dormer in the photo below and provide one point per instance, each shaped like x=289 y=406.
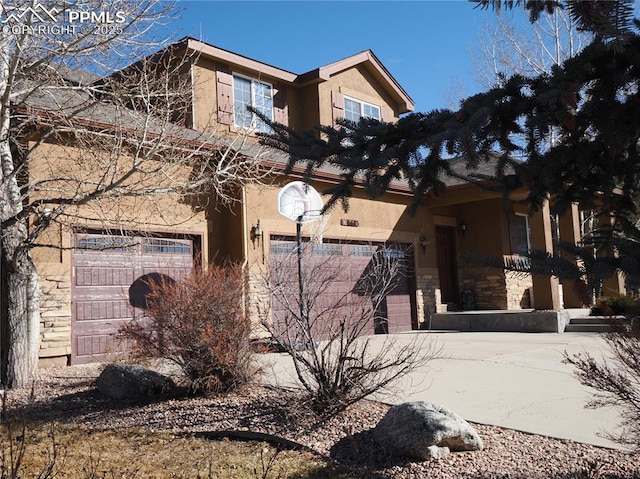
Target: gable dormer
x=355 y=87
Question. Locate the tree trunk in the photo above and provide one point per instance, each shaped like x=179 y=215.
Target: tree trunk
x=21 y=362
x=33 y=318
x=22 y=298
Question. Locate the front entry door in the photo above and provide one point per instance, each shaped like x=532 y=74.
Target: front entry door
x=447 y=265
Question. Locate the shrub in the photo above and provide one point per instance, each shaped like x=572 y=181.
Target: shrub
x=326 y=334
x=199 y=324
x=615 y=305
x=616 y=379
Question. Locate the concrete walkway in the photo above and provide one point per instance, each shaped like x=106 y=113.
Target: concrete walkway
x=514 y=380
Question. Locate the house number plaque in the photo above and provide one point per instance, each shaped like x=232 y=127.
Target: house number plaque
x=348 y=222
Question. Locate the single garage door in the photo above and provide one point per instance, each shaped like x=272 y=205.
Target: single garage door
x=110 y=273
x=351 y=263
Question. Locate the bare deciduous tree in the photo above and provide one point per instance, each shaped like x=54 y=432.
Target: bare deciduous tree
x=324 y=328
x=81 y=144
x=510 y=44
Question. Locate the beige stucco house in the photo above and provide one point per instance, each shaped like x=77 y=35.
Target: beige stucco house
x=86 y=291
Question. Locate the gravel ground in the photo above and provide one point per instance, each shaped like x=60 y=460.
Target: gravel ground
x=68 y=395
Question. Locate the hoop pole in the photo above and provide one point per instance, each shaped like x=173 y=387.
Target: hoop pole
x=304 y=314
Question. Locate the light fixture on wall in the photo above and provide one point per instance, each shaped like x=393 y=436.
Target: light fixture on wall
x=463 y=228
x=256 y=232
x=423 y=242
x=43 y=216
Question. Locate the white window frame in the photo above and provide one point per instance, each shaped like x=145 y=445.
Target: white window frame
x=256 y=123
x=362 y=104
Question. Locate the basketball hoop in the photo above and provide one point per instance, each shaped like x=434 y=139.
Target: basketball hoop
x=300 y=202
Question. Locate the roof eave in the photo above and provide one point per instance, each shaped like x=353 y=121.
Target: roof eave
x=239 y=60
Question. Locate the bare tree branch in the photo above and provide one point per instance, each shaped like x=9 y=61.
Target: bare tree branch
x=326 y=334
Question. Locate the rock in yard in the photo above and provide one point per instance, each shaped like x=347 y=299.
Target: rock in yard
x=410 y=429
x=134 y=383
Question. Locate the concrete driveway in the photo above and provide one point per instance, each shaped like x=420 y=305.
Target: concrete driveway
x=514 y=380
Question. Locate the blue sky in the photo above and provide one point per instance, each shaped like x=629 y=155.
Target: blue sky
x=426 y=45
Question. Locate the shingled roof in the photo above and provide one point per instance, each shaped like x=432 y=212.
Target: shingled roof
x=81 y=106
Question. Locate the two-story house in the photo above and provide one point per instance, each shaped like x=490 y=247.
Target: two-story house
x=89 y=291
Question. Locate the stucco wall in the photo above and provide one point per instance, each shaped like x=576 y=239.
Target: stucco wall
x=205 y=104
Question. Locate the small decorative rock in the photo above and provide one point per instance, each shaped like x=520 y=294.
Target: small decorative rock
x=133 y=383
x=412 y=429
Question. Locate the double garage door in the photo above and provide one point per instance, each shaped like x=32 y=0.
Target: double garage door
x=111 y=274
x=349 y=265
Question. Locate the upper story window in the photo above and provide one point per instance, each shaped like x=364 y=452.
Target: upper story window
x=354 y=110
x=255 y=93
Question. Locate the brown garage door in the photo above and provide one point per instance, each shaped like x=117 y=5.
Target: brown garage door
x=350 y=263
x=109 y=277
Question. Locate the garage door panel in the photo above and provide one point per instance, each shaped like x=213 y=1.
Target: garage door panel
x=98 y=310
x=349 y=264
x=95 y=346
x=174 y=273
x=103 y=276
x=104 y=295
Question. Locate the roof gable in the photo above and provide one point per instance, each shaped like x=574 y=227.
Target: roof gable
x=366 y=58
x=369 y=60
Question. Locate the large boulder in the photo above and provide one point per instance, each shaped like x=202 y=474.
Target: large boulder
x=134 y=383
x=421 y=430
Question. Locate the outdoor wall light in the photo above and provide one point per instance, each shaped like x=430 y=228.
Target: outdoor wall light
x=43 y=216
x=463 y=228
x=423 y=242
x=256 y=231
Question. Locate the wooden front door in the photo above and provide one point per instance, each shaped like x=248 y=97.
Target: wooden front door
x=447 y=264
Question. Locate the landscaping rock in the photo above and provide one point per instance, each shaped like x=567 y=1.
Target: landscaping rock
x=410 y=429
x=436 y=452
x=133 y=383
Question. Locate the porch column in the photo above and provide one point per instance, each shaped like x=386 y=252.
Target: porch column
x=545 y=289
x=613 y=286
x=569 y=226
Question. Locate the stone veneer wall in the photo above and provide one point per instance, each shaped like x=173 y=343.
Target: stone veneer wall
x=488 y=286
x=258 y=302
x=55 y=320
x=518 y=290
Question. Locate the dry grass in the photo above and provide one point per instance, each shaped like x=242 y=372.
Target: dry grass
x=127 y=454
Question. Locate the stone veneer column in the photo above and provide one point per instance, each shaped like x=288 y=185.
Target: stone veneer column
x=427 y=296
x=545 y=289
x=258 y=303
x=614 y=285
